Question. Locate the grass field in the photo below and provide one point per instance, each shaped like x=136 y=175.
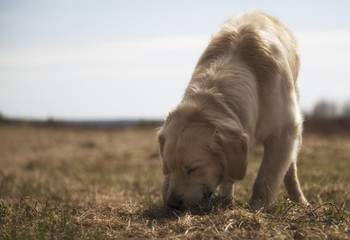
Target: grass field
x=75 y=183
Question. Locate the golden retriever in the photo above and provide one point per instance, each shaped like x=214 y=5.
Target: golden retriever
x=243 y=91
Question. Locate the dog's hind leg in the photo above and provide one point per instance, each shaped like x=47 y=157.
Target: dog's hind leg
x=291 y=179
x=292 y=185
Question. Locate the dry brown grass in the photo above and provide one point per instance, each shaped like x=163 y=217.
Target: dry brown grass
x=69 y=183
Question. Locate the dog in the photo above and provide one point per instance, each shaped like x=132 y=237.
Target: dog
x=243 y=91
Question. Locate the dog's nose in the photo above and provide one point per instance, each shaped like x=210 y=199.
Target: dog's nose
x=174 y=201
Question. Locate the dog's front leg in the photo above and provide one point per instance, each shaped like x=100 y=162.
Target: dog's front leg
x=226 y=190
x=278 y=151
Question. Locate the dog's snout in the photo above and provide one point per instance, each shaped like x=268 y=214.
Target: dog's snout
x=174 y=201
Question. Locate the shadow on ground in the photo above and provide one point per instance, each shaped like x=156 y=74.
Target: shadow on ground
x=212 y=206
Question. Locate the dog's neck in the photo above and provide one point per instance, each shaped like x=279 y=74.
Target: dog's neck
x=231 y=82
x=209 y=106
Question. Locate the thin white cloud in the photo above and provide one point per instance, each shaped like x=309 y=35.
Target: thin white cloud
x=329 y=49
x=144 y=78
x=325 y=66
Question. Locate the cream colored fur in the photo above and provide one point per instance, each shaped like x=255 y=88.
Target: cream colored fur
x=243 y=91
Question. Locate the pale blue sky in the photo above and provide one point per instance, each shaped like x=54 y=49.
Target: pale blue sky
x=133 y=59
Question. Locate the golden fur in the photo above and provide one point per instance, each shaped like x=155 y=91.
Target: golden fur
x=243 y=91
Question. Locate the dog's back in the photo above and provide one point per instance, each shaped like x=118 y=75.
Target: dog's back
x=253 y=62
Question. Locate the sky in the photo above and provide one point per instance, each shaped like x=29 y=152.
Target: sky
x=88 y=60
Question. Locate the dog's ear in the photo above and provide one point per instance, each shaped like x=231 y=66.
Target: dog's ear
x=161 y=142
x=234 y=144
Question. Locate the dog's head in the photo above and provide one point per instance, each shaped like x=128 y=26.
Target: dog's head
x=197 y=156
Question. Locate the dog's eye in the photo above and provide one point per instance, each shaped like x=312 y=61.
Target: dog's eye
x=191 y=170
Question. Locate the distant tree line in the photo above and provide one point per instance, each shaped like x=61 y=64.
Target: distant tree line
x=323 y=110
x=329 y=110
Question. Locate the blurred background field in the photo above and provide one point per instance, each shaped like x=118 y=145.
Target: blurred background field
x=59 y=181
